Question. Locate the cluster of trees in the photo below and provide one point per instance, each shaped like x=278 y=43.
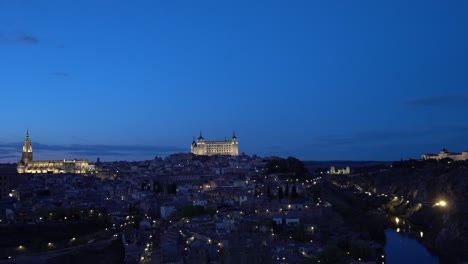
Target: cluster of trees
x=290 y=165
x=191 y=211
x=337 y=253
x=359 y=212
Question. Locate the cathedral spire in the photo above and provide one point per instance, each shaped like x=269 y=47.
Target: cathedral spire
x=27 y=149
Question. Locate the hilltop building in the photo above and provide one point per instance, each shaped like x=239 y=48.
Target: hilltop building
x=28 y=165
x=217 y=147
x=446 y=154
x=343 y=171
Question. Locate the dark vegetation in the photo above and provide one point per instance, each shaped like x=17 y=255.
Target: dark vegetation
x=113 y=253
x=291 y=166
x=357 y=210
x=36 y=238
x=191 y=211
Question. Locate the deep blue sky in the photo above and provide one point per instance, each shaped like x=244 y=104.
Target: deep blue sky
x=379 y=80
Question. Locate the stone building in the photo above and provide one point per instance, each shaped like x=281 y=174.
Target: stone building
x=28 y=165
x=343 y=171
x=217 y=147
x=446 y=154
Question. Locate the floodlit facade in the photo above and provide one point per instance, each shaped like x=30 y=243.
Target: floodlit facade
x=217 y=147
x=344 y=171
x=446 y=154
x=28 y=165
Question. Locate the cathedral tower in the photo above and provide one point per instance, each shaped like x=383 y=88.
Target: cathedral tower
x=27 y=150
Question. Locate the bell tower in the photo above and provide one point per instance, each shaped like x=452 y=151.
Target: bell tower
x=27 y=150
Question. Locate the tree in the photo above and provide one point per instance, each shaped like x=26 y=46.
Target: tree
x=332 y=254
x=286 y=191
x=293 y=191
x=280 y=193
x=191 y=211
x=291 y=165
x=172 y=188
x=360 y=249
x=156 y=187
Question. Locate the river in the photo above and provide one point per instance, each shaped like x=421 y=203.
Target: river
x=401 y=248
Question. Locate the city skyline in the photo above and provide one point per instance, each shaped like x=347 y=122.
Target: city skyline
x=11 y=154
x=318 y=81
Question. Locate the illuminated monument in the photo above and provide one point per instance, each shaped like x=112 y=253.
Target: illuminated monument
x=443 y=154
x=28 y=165
x=218 y=147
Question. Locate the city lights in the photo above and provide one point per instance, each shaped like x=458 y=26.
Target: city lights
x=441 y=203
x=336 y=103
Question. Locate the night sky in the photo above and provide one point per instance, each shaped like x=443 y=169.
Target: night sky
x=319 y=80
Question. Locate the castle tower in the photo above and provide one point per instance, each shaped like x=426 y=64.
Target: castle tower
x=200 y=138
x=27 y=150
x=193 y=146
x=235 y=145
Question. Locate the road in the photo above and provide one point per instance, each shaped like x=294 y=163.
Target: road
x=43 y=258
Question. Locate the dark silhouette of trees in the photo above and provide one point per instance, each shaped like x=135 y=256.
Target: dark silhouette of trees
x=191 y=211
x=280 y=193
x=172 y=188
x=291 y=165
x=293 y=191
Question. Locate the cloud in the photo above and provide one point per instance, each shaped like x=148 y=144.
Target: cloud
x=9 y=156
x=105 y=148
x=18 y=38
x=97 y=153
x=59 y=74
x=11 y=151
x=438 y=101
x=26 y=39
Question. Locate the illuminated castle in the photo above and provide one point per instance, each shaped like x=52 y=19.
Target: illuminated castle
x=28 y=165
x=218 y=147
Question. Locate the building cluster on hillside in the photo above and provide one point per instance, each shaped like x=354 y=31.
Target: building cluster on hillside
x=212 y=205
x=195 y=207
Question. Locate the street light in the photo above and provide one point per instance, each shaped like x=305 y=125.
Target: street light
x=441 y=203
